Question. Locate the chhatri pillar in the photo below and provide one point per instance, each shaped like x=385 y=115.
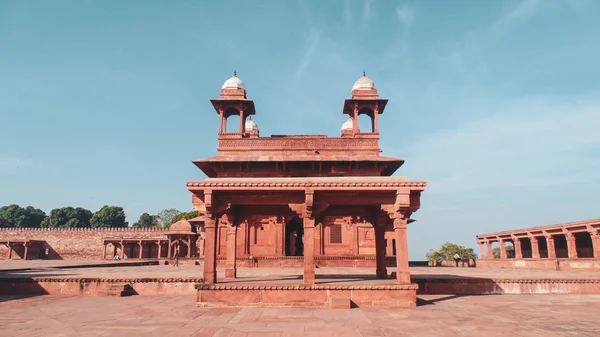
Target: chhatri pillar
x=230 y=267
x=402 y=273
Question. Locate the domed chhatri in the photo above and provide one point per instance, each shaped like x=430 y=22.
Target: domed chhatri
x=348 y=125
x=234 y=83
x=251 y=125
x=364 y=83
x=182 y=227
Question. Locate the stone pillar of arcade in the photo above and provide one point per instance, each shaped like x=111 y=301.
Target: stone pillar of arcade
x=481 y=250
x=490 y=249
x=595 y=235
x=550 y=244
x=535 y=247
x=571 y=245
x=517 y=246
x=502 y=243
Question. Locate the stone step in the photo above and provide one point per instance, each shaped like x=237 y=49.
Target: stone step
x=115 y=290
x=341 y=303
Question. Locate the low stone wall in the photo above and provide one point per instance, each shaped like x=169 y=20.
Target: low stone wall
x=74 y=243
x=461 y=263
x=392 y=296
x=482 y=286
x=92 y=286
x=541 y=264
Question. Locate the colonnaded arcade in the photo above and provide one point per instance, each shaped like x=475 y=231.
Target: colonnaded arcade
x=303 y=197
x=568 y=245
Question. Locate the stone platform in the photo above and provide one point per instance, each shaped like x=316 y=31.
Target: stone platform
x=340 y=296
x=30 y=277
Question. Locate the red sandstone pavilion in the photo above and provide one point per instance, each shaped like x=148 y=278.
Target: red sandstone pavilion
x=308 y=197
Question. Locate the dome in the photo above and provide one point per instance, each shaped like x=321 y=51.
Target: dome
x=363 y=83
x=182 y=227
x=250 y=125
x=233 y=83
x=347 y=125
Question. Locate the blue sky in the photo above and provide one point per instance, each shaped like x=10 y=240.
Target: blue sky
x=495 y=103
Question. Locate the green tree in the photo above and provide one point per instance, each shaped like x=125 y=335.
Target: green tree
x=510 y=251
x=109 y=216
x=166 y=216
x=68 y=217
x=146 y=221
x=183 y=215
x=17 y=216
x=447 y=251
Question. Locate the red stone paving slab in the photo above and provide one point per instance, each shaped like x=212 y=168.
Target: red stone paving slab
x=507 y=315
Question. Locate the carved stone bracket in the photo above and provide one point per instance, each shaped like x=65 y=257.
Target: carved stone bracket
x=309 y=200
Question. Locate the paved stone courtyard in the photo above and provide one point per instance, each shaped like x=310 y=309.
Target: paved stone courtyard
x=42 y=268
x=506 y=315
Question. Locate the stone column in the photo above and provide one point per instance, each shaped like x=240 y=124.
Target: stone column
x=309 y=251
x=402 y=273
x=26 y=249
x=231 y=269
x=571 y=245
x=10 y=250
x=141 y=245
x=169 y=249
x=481 y=250
x=550 y=245
x=595 y=235
x=381 y=270
x=535 y=247
x=490 y=249
x=122 y=250
x=104 y=254
x=517 y=246
x=189 y=244
x=210 y=254
x=503 y=254
x=159 y=249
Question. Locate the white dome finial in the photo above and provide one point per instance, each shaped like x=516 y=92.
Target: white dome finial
x=363 y=83
x=234 y=83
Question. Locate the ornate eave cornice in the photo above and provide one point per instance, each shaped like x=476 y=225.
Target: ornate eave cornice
x=299 y=185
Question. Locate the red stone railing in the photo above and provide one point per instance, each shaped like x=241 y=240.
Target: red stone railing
x=103 y=229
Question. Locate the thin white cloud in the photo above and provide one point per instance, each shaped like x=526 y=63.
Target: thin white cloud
x=366 y=11
x=405 y=15
x=347 y=14
x=524 y=10
x=528 y=144
x=313 y=42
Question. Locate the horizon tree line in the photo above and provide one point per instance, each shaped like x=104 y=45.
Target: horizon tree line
x=15 y=216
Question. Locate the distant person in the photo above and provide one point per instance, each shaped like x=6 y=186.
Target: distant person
x=176 y=264
x=456 y=258
x=116 y=258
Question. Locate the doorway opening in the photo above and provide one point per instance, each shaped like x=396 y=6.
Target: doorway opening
x=294 y=231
